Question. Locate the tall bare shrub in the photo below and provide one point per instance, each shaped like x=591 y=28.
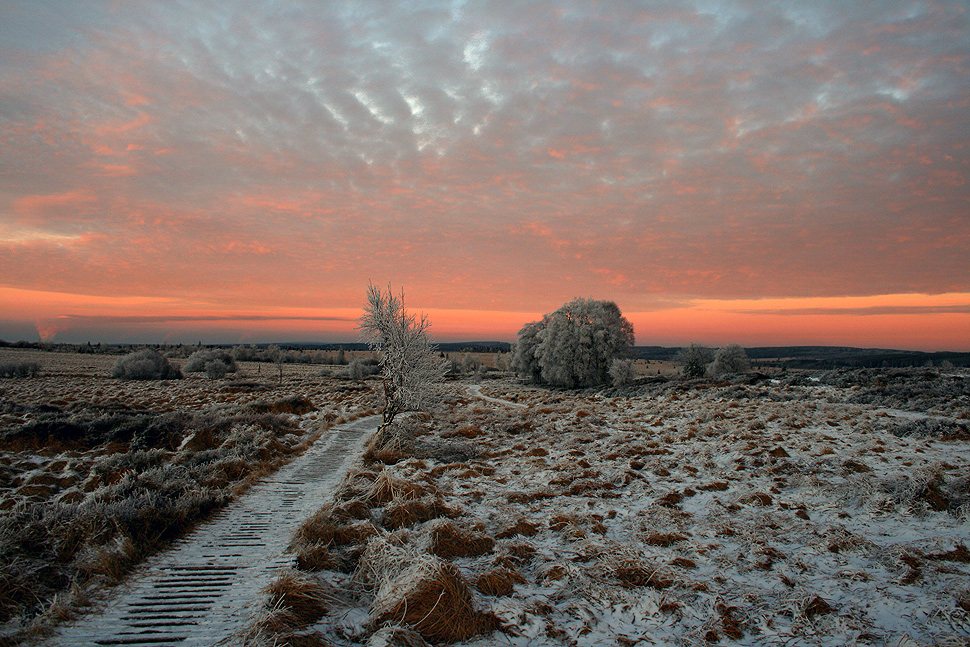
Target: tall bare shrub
x=410 y=367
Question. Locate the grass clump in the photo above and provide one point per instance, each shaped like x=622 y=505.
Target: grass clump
x=423 y=592
x=305 y=596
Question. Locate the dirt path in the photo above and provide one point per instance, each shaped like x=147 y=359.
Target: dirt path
x=202 y=590
x=476 y=390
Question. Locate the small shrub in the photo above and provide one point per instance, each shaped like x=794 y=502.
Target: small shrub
x=216 y=369
x=361 y=368
x=19 y=369
x=695 y=359
x=200 y=360
x=145 y=365
x=622 y=372
x=729 y=360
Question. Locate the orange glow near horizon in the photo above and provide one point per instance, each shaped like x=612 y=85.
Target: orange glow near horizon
x=494 y=162
x=907 y=321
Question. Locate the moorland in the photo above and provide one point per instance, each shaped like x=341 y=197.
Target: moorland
x=795 y=507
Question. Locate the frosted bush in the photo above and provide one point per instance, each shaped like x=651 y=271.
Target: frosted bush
x=198 y=362
x=145 y=365
x=729 y=360
x=695 y=360
x=622 y=372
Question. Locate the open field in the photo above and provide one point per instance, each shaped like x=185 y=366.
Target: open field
x=808 y=508
x=811 y=509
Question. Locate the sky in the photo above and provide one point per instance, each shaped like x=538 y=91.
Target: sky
x=727 y=171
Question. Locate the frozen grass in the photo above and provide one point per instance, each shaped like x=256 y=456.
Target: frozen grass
x=682 y=513
x=100 y=473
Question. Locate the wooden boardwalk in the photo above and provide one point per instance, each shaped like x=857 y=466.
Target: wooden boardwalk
x=202 y=590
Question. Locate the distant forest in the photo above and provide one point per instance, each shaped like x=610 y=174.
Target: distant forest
x=794 y=357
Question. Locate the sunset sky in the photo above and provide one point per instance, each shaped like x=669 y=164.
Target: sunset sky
x=766 y=173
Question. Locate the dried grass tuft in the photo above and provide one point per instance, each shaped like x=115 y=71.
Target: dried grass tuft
x=354 y=534
x=305 y=596
x=632 y=571
x=434 y=599
x=390 y=444
x=499 y=581
x=269 y=625
x=351 y=510
x=663 y=539
x=318 y=529
x=521 y=527
x=447 y=540
x=356 y=484
x=387 y=488
x=817 y=607
x=318 y=557
x=420 y=591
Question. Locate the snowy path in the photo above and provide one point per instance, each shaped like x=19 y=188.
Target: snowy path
x=203 y=589
x=476 y=390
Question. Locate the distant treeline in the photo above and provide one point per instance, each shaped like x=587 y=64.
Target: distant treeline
x=802 y=357
x=825 y=357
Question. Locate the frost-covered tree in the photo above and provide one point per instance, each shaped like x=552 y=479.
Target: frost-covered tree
x=410 y=366
x=695 y=359
x=729 y=360
x=524 y=360
x=574 y=346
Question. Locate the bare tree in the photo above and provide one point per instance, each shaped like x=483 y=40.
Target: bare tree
x=410 y=367
x=277 y=356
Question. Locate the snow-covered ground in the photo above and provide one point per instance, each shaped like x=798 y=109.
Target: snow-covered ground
x=748 y=514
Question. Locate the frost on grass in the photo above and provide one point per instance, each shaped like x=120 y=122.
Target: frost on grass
x=748 y=512
x=100 y=472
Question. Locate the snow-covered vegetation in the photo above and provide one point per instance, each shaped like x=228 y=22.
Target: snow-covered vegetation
x=98 y=473
x=575 y=346
x=801 y=509
x=809 y=508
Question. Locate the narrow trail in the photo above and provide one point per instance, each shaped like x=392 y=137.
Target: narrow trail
x=204 y=588
x=476 y=390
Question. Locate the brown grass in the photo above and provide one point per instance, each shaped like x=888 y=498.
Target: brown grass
x=632 y=571
x=447 y=540
x=435 y=600
x=521 y=527
x=318 y=557
x=387 y=488
x=402 y=514
x=296 y=404
x=305 y=596
x=663 y=539
x=318 y=529
x=499 y=581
